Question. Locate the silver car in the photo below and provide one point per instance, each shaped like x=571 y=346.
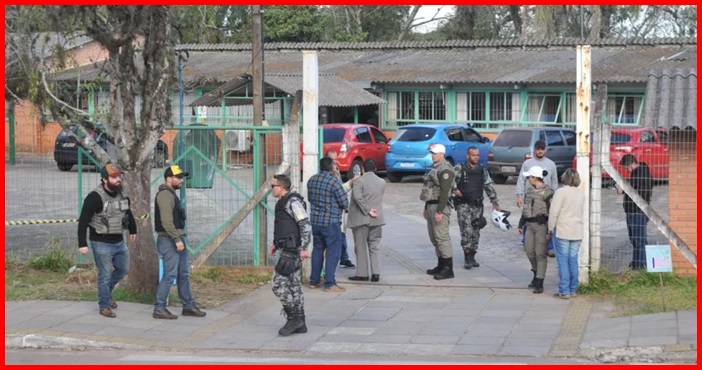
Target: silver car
x=515 y=145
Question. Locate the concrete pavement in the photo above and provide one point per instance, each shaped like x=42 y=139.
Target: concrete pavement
x=485 y=311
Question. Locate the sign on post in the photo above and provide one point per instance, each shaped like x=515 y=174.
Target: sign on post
x=659 y=258
x=201 y=113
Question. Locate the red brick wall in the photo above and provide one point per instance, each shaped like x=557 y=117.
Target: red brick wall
x=682 y=202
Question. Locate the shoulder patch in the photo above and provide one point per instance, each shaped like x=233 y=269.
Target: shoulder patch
x=445 y=176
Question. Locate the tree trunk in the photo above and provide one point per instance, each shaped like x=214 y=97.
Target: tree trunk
x=596 y=23
x=515 y=14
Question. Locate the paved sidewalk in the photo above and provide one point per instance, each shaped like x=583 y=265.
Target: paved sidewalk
x=485 y=311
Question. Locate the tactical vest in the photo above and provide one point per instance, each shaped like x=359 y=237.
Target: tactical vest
x=471 y=184
x=114 y=210
x=285 y=225
x=431 y=189
x=178 y=213
x=536 y=203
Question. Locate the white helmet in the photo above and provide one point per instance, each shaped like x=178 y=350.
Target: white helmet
x=499 y=220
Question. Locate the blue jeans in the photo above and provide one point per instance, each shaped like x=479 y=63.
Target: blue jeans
x=636 y=226
x=325 y=238
x=567 y=259
x=112 y=261
x=344 y=248
x=175 y=266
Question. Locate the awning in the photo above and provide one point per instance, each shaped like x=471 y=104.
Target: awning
x=333 y=91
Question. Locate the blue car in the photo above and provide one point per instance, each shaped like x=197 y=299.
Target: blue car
x=408 y=151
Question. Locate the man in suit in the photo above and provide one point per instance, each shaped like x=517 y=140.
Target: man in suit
x=366 y=221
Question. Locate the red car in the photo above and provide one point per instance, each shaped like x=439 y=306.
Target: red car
x=354 y=143
x=648 y=145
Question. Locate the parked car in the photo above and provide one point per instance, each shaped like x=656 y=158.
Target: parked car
x=515 y=145
x=66 y=149
x=408 y=152
x=354 y=143
x=648 y=145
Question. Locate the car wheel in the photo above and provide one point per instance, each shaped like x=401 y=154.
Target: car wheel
x=499 y=179
x=64 y=166
x=159 y=159
x=394 y=177
x=354 y=170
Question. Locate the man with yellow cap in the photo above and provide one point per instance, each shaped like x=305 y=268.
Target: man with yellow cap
x=169 y=222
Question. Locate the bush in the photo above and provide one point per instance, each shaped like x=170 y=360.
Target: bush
x=55 y=259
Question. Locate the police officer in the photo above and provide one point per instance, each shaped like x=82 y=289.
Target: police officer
x=291 y=236
x=471 y=180
x=436 y=191
x=537 y=204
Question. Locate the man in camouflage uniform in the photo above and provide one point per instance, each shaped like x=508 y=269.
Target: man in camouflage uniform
x=435 y=194
x=291 y=235
x=471 y=180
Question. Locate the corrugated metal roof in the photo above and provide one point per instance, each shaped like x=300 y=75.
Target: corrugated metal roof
x=671 y=98
x=613 y=61
x=333 y=91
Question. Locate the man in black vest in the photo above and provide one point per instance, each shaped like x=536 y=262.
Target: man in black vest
x=291 y=236
x=170 y=225
x=471 y=180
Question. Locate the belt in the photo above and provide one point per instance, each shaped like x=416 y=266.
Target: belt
x=433 y=202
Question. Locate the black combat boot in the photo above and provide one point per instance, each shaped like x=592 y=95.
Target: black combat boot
x=446 y=271
x=471 y=259
x=467 y=264
x=538 y=286
x=533 y=280
x=294 y=322
x=301 y=312
x=436 y=269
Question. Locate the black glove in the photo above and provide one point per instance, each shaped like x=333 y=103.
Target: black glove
x=288 y=263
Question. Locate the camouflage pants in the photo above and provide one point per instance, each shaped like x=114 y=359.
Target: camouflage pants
x=469 y=235
x=289 y=289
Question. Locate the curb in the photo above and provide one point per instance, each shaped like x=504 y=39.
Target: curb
x=43 y=341
x=671 y=353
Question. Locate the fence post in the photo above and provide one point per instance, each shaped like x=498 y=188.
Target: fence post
x=11 y=118
x=583 y=100
x=596 y=185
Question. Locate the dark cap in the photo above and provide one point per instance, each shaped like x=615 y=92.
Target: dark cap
x=539 y=144
x=110 y=170
x=174 y=170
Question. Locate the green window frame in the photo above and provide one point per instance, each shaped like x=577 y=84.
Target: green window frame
x=407 y=107
x=625 y=109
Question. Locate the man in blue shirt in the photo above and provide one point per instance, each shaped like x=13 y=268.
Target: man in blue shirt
x=328 y=200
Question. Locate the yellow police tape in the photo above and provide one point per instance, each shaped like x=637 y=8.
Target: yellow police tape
x=44 y=222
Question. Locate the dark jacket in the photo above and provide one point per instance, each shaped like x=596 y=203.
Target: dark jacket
x=640 y=179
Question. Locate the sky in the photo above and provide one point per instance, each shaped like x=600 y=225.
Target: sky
x=428 y=11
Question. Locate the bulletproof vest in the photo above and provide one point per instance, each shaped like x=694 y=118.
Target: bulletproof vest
x=535 y=201
x=430 y=188
x=471 y=184
x=114 y=210
x=285 y=225
x=178 y=213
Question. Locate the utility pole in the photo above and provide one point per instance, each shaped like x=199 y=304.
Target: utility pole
x=259 y=116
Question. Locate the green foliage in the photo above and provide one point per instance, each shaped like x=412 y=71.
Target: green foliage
x=55 y=258
x=293 y=24
x=253 y=279
x=214 y=273
x=637 y=292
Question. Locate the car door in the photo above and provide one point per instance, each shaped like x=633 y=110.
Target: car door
x=663 y=155
x=380 y=147
x=456 y=146
x=473 y=138
x=363 y=147
x=556 y=149
x=645 y=150
x=570 y=147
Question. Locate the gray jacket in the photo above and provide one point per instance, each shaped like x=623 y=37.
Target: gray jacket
x=367 y=193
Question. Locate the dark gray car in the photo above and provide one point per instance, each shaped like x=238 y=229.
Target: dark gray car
x=515 y=145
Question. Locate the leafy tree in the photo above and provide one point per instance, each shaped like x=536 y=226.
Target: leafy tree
x=293 y=24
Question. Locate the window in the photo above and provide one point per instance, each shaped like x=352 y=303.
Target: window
x=617 y=138
x=509 y=138
x=432 y=106
x=333 y=135
x=379 y=137
x=500 y=106
x=414 y=134
x=362 y=135
x=472 y=136
x=554 y=138
x=662 y=137
x=647 y=137
x=454 y=134
x=624 y=109
x=569 y=137
x=406 y=107
x=544 y=107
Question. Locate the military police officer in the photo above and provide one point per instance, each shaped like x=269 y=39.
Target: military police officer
x=471 y=180
x=435 y=193
x=291 y=236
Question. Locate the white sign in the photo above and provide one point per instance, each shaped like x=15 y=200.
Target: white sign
x=658 y=258
x=202 y=112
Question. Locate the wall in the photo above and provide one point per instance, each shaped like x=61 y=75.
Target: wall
x=682 y=198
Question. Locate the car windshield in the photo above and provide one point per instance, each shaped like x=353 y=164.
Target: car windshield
x=334 y=135
x=618 y=138
x=414 y=134
x=513 y=138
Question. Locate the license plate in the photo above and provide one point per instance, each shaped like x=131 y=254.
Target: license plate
x=69 y=145
x=407 y=165
x=509 y=169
